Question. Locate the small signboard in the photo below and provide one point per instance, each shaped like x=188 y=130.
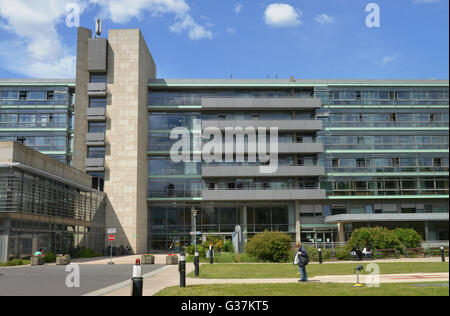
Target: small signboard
x=111 y=237
x=111 y=231
x=195 y=233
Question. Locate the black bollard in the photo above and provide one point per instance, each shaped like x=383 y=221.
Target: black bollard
x=320 y=255
x=442 y=254
x=211 y=254
x=137 y=282
x=197 y=264
x=182 y=270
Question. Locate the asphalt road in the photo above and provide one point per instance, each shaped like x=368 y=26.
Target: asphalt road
x=51 y=280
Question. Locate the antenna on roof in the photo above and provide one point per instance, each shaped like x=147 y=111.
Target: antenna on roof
x=98 y=28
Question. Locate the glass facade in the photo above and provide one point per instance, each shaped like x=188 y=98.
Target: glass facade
x=38 y=117
x=39 y=212
x=381 y=145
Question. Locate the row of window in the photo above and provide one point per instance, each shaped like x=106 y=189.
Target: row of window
x=388 y=184
x=32 y=95
x=34 y=119
x=383 y=140
x=384 y=95
x=386 y=162
x=389 y=117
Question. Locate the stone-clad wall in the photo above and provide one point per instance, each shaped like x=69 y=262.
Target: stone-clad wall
x=130 y=66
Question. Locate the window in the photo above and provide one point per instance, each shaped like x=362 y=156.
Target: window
x=9 y=95
x=402 y=95
x=37 y=95
x=23 y=95
x=96 y=152
x=50 y=95
x=97 y=102
x=97 y=127
x=360 y=163
x=98 y=78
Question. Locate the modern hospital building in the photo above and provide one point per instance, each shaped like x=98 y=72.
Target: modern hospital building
x=351 y=153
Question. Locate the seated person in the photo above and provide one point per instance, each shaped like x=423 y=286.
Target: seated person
x=367 y=252
x=39 y=253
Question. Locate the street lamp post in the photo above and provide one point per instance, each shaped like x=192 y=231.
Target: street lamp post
x=196 y=254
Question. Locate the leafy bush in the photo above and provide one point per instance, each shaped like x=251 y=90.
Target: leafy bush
x=216 y=241
x=50 y=257
x=88 y=253
x=408 y=237
x=15 y=262
x=228 y=246
x=270 y=246
x=383 y=238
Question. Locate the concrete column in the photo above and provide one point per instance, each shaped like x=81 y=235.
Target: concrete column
x=427 y=231
x=81 y=100
x=341 y=232
x=297 y=222
x=4 y=238
x=130 y=67
x=243 y=223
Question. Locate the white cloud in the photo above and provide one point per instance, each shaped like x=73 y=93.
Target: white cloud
x=195 y=31
x=238 y=8
x=324 y=19
x=388 y=59
x=282 y=15
x=37 y=49
x=231 y=30
x=122 y=11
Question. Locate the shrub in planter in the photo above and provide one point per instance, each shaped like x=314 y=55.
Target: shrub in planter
x=147 y=259
x=171 y=260
x=62 y=260
x=270 y=246
x=37 y=261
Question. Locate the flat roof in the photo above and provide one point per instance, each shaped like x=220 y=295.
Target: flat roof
x=13 y=154
x=37 y=82
x=292 y=83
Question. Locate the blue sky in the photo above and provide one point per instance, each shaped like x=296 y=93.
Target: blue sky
x=324 y=39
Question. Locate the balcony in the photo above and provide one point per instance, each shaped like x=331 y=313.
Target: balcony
x=95 y=164
x=95 y=139
x=263 y=195
x=96 y=114
x=260 y=103
x=282 y=125
x=254 y=171
x=283 y=148
x=97 y=89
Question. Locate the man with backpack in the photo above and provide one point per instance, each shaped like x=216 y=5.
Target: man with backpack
x=303 y=260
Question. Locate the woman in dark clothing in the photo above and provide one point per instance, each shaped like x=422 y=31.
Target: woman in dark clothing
x=303 y=260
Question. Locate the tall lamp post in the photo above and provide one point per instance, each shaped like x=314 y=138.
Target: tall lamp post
x=196 y=255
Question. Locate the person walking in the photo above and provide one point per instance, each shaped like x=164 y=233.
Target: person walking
x=303 y=260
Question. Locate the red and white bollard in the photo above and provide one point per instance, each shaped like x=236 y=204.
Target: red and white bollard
x=137 y=282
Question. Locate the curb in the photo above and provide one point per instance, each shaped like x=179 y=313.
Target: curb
x=123 y=284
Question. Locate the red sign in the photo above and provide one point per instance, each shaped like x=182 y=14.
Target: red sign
x=111 y=238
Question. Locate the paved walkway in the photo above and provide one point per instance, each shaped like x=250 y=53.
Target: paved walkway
x=169 y=276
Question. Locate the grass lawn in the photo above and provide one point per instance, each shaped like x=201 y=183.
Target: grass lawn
x=275 y=271
x=309 y=289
